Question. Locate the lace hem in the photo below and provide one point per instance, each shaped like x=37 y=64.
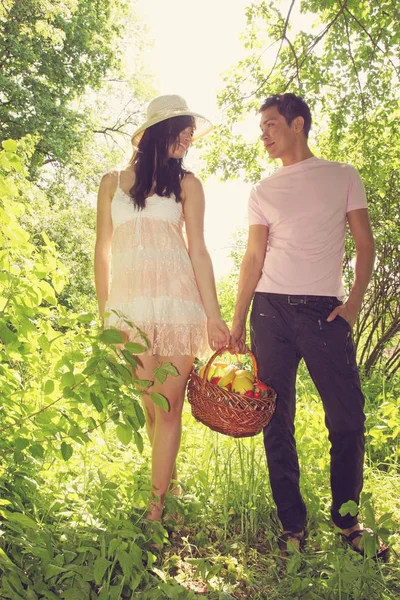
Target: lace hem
x=167 y=340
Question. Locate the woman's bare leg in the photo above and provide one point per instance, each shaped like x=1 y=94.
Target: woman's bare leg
x=146 y=372
x=164 y=428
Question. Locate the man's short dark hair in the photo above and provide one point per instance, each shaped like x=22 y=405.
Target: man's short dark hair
x=290 y=106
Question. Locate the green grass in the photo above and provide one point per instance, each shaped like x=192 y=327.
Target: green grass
x=86 y=537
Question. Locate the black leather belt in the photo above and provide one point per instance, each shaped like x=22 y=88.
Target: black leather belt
x=294 y=299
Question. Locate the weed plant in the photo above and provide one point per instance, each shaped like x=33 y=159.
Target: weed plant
x=75 y=529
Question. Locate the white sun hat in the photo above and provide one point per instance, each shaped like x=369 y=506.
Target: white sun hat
x=165 y=107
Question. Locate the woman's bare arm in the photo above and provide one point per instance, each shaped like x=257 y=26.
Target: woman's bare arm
x=104 y=233
x=194 y=206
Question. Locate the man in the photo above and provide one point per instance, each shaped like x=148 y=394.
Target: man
x=293 y=263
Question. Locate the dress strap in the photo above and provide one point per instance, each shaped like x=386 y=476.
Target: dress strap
x=119 y=177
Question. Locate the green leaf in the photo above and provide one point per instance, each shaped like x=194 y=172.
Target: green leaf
x=135 y=348
x=68 y=379
x=139 y=412
x=100 y=566
x=66 y=451
x=165 y=369
x=73 y=594
x=5 y=560
x=111 y=336
x=21 y=443
x=21 y=519
x=129 y=358
x=385 y=533
x=9 y=145
x=36 y=450
x=97 y=403
x=349 y=507
x=68 y=392
x=53 y=570
x=160 y=375
x=386 y=518
x=143 y=384
x=7 y=336
x=86 y=318
x=48 y=387
x=126 y=561
x=160 y=400
x=170 y=369
x=48 y=292
x=369 y=543
x=124 y=433
x=138 y=441
x=369 y=515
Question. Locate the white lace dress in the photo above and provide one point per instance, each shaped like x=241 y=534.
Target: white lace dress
x=152 y=280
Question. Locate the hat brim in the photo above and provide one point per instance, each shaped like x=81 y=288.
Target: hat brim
x=203 y=125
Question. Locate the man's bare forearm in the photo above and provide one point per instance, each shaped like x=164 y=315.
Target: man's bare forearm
x=364 y=264
x=250 y=273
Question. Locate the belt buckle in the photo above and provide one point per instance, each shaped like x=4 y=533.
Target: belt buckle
x=302 y=300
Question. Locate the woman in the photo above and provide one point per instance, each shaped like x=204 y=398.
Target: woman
x=162 y=285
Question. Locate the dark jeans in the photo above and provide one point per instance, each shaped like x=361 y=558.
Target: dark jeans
x=285 y=329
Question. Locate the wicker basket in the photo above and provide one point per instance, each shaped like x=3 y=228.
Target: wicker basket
x=225 y=411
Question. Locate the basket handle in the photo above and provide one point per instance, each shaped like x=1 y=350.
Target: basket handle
x=222 y=351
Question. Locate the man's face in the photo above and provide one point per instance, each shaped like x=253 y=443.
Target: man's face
x=277 y=136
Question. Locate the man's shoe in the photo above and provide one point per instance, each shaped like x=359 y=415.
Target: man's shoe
x=358 y=533
x=289 y=541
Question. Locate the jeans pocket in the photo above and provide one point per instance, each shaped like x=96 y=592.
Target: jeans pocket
x=337 y=336
x=342 y=319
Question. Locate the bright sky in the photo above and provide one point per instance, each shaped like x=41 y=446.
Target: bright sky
x=194 y=44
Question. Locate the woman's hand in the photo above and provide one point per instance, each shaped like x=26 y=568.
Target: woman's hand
x=218 y=333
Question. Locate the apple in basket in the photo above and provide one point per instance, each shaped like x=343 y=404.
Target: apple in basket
x=211 y=372
x=244 y=373
x=242 y=385
x=221 y=369
x=260 y=390
x=227 y=377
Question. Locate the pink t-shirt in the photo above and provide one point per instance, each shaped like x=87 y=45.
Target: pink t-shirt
x=304 y=207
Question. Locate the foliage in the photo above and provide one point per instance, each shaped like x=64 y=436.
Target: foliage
x=343 y=58
x=227 y=286
x=69 y=221
x=52 y=53
x=74 y=478
x=72 y=508
x=77 y=133
x=62 y=384
x=53 y=366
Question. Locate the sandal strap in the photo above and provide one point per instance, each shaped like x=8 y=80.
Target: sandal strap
x=356 y=534
x=291 y=535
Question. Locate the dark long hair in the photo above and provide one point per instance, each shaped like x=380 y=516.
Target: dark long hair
x=152 y=165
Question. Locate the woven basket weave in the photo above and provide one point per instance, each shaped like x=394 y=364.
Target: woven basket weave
x=228 y=412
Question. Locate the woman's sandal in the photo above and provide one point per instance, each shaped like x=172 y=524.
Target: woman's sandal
x=290 y=541
x=358 y=533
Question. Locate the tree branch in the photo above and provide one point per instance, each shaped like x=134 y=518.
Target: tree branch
x=107 y=130
x=296 y=60
x=282 y=38
x=371 y=39
x=362 y=100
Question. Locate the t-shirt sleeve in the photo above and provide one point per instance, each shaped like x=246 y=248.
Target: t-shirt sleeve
x=356 y=197
x=256 y=215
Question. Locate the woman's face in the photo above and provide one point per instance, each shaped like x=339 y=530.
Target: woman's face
x=182 y=144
